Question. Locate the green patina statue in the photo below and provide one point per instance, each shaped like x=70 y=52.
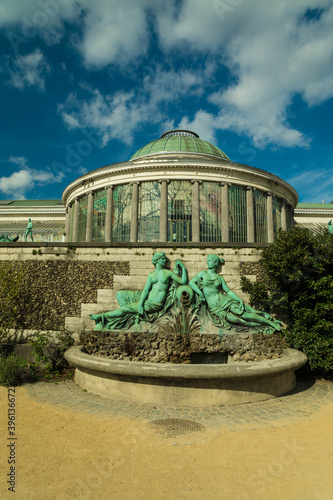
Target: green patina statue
x=5 y=238
x=330 y=226
x=155 y=300
x=213 y=303
x=29 y=231
x=225 y=308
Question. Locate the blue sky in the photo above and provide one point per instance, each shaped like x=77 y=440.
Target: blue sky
x=86 y=83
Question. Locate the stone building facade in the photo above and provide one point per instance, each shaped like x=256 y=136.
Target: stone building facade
x=48 y=218
x=178 y=189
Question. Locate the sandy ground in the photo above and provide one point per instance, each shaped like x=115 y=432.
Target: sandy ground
x=63 y=455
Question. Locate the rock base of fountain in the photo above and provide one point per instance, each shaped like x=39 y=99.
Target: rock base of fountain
x=184 y=347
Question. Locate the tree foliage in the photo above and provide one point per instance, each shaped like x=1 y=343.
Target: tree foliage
x=298 y=281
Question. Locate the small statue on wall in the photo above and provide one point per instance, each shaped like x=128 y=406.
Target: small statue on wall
x=29 y=231
x=4 y=238
x=330 y=227
x=155 y=299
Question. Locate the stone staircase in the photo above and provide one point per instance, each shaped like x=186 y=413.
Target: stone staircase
x=106 y=301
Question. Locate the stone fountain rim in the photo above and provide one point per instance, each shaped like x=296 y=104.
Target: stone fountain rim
x=291 y=359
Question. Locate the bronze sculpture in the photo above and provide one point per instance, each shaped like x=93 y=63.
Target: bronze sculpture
x=224 y=306
x=156 y=298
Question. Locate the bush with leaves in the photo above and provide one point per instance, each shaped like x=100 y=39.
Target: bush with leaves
x=51 y=353
x=14 y=295
x=12 y=370
x=298 y=282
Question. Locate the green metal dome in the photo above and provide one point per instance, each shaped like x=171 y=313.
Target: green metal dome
x=180 y=141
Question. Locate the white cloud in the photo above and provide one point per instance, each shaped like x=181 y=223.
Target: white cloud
x=21 y=161
x=26 y=179
x=317 y=183
x=203 y=124
x=24 y=20
x=29 y=71
x=193 y=25
x=119 y=115
x=114 y=32
x=16 y=184
x=114 y=117
x=13 y=11
x=273 y=51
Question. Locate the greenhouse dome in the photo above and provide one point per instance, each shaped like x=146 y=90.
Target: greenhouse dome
x=178 y=189
x=178 y=141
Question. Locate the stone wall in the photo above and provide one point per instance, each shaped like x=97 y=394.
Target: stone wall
x=68 y=283
x=252 y=269
x=53 y=290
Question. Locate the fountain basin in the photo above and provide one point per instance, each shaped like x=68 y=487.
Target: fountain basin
x=186 y=384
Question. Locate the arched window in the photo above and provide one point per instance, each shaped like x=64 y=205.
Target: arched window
x=83 y=211
x=237 y=214
x=277 y=205
x=180 y=211
x=121 y=224
x=98 y=229
x=210 y=212
x=149 y=211
x=260 y=216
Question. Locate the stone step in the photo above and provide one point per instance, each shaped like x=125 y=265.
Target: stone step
x=77 y=325
x=92 y=308
x=105 y=295
x=128 y=283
